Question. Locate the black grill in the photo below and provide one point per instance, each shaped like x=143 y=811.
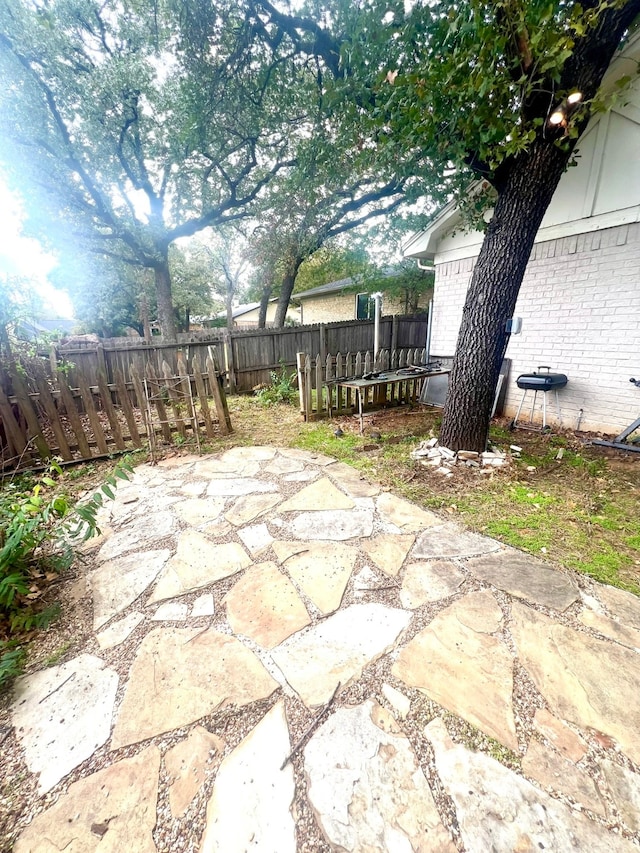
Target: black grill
x=541 y=381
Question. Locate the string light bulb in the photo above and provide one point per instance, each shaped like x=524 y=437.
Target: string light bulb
x=574 y=98
x=556 y=117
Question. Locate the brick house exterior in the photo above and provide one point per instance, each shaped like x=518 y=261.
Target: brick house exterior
x=580 y=298
x=337 y=300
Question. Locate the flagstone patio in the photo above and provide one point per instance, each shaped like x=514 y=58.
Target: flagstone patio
x=287 y=658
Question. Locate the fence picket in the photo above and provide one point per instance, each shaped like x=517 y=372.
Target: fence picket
x=47 y=402
x=319 y=383
x=125 y=403
x=202 y=396
x=66 y=395
x=219 y=396
x=141 y=399
x=110 y=411
x=30 y=415
x=174 y=397
x=156 y=397
x=16 y=440
x=92 y=414
x=307 y=388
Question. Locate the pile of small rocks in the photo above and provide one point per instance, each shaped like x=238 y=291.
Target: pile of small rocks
x=430 y=453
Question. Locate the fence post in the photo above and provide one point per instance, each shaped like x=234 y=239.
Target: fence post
x=394 y=333
x=323 y=341
x=224 y=420
x=229 y=362
x=300 y=364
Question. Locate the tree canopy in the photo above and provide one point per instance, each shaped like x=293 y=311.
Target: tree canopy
x=140 y=123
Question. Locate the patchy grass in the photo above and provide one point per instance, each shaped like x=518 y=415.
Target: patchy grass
x=579 y=510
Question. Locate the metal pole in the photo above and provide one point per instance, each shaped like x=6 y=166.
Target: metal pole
x=427 y=347
x=377 y=299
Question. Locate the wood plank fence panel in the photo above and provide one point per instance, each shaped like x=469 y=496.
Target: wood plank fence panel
x=156 y=398
x=47 y=402
x=319 y=393
x=224 y=420
x=92 y=414
x=125 y=404
x=202 y=396
x=71 y=411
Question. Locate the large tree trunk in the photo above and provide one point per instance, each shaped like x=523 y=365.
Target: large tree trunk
x=265 y=296
x=166 y=316
x=492 y=294
x=288 y=281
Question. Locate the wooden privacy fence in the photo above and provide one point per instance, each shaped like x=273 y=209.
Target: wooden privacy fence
x=319 y=393
x=246 y=356
x=46 y=417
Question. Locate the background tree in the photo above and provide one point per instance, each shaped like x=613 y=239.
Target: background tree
x=460 y=90
x=137 y=124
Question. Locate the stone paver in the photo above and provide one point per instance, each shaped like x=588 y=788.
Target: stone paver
x=197 y=511
x=250 y=507
x=623 y=605
x=197 y=563
x=450 y=540
x=589 y=682
x=260 y=554
x=203 y=605
x=321 y=570
x=181 y=674
x=499 y=810
x=171 y=611
x=404 y=515
x=559 y=735
x=332 y=525
x=113 y=809
x=255 y=538
x=611 y=628
x=251 y=803
x=552 y=770
x=119 y=631
x=352 y=481
x=367 y=788
x=526 y=578
x=336 y=650
x=457 y=648
x=319 y=495
x=624 y=786
x=265 y=606
x=186 y=765
x=117 y=583
x=388 y=551
x=63 y=714
x=236 y=486
x=140 y=535
x=429 y=581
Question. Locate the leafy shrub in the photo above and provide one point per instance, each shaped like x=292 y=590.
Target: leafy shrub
x=38 y=527
x=281 y=390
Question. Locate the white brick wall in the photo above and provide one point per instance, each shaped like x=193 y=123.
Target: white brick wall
x=580 y=309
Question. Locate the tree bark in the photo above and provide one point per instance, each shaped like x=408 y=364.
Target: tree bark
x=493 y=292
x=288 y=281
x=229 y=306
x=166 y=316
x=265 y=296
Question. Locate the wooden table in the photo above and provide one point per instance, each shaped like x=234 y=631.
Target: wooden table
x=386 y=379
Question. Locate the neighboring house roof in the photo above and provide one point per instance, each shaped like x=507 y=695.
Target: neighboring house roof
x=239 y=310
x=331 y=287
x=343 y=284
